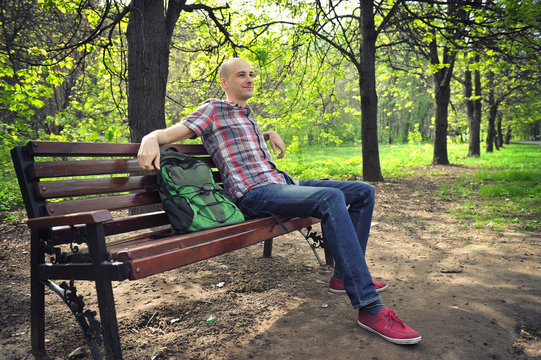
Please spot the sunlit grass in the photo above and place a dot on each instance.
(346, 161)
(504, 187)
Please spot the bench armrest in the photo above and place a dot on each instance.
(91, 217)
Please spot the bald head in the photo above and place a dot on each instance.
(237, 80)
(228, 65)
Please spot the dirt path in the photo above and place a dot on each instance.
(471, 292)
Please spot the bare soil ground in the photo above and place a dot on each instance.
(473, 293)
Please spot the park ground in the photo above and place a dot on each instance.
(473, 292)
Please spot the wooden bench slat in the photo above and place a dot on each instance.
(139, 245)
(52, 169)
(136, 222)
(81, 187)
(114, 202)
(168, 260)
(53, 148)
(144, 247)
(142, 243)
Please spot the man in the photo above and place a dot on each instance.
(238, 147)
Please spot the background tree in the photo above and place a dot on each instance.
(435, 30)
(472, 95)
(352, 31)
(404, 100)
(150, 28)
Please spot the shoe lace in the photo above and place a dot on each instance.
(393, 316)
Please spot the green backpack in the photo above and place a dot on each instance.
(190, 197)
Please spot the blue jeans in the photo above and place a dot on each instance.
(345, 209)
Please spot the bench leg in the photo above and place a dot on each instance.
(106, 303)
(37, 317)
(329, 260)
(37, 298)
(104, 291)
(267, 248)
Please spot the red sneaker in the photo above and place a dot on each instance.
(389, 326)
(337, 286)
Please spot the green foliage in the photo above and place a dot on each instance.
(22, 93)
(10, 195)
(415, 136)
(93, 113)
(297, 95)
(403, 101)
(312, 104)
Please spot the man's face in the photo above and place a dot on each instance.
(239, 81)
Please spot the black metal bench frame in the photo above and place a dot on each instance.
(71, 190)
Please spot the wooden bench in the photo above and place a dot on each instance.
(77, 196)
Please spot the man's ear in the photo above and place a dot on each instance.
(223, 83)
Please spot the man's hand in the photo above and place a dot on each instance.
(275, 142)
(149, 153)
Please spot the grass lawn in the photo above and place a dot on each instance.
(505, 187)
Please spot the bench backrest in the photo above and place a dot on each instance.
(58, 178)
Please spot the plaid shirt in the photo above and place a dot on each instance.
(236, 145)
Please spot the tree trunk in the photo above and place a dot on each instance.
(473, 110)
(149, 36)
(475, 129)
(369, 98)
(492, 112)
(148, 61)
(477, 109)
(442, 94)
(468, 92)
(508, 135)
(441, 102)
(499, 136)
(491, 133)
